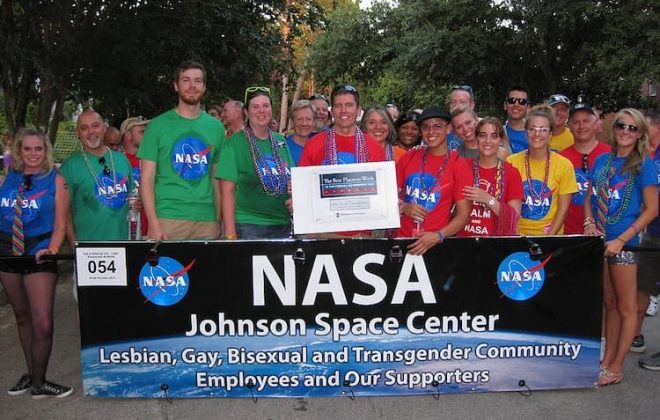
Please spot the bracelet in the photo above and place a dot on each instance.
(441, 236)
(635, 228)
(588, 221)
(617, 238)
(231, 237)
(53, 250)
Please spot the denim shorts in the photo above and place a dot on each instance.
(624, 258)
(251, 231)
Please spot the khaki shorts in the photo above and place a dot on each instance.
(188, 229)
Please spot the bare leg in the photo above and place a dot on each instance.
(643, 299)
(610, 319)
(625, 288)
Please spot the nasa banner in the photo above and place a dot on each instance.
(338, 317)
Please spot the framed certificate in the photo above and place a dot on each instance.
(337, 198)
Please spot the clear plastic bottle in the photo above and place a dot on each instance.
(134, 217)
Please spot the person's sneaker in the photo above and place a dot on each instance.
(653, 306)
(51, 390)
(651, 363)
(24, 384)
(638, 345)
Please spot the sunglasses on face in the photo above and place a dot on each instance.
(27, 182)
(106, 170)
(621, 127)
(466, 88)
(254, 91)
(585, 159)
(521, 101)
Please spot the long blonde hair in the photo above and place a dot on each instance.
(642, 149)
(17, 149)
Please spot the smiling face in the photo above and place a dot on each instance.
(561, 114)
(91, 130)
(434, 132)
(408, 134)
(33, 154)
(516, 111)
(583, 126)
(538, 132)
(460, 99)
(626, 133)
(489, 140)
(260, 111)
(345, 110)
(190, 86)
(303, 122)
(464, 124)
(376, 125)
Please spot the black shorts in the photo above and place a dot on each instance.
(26, 264)
(648, 271)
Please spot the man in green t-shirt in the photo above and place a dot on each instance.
(97, 179)
(179, 154)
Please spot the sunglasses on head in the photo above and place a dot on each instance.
(621, 126)
(344, 89)
(585, 159)
(555, 99)
(106, 170)
(253, 91)
(318, 96)
(27, 182)
(466, 88)
(521, 101)
(408, 117)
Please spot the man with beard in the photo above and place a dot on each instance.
(179, 153)
(97, 179)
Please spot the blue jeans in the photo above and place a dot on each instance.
(250, 231)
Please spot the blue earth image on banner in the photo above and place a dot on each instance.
(474, 363)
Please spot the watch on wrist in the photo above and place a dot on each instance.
(491, 202)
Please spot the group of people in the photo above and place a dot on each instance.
(543, 172)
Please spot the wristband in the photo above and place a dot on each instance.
(617, 238)
(588, 221)
(441, 236)
(231, 237)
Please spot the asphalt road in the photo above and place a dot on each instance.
(637, 397)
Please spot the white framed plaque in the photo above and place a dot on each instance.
(339, 198)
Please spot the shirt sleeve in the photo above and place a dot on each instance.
(513, 184)
(148, 149)
(463, 176)
(649, 175)
(566, 181)
(227, 168)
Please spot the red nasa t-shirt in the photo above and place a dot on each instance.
(482, 219)
(421, 186)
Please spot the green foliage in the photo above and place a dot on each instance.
(413, 53)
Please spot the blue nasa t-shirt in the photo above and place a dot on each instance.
(38, 206)
(616, 191)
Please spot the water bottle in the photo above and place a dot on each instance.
(134, 217)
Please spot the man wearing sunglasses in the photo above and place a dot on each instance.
(97, 179)
(179, 154)
(561, 136)
(582, 154)
(516, 105)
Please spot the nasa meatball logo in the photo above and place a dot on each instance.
(166, 283)
(343, 158)
(519, 277)
(582, 179)
(538, 200)
(190, 158)
(110, 194)
(423, 189)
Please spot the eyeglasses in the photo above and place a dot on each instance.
(254, 91)
(106, 170)
(521, 101)
(466, 88)
(318, 96)
(621, 126)
(585, 159)
(27, 182)
(539, 130)
(434, 127)
(344, 89)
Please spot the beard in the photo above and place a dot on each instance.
(191, 99)
(94, 142)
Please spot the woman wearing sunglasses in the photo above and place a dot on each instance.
(407, 130)
(33, 214)
(548, 178)
(377, 122)
(496, 193)
(623, 200)
(254, 175)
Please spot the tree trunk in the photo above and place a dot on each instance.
(284, 104)
(57, 117)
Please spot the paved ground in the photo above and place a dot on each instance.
(635, 398)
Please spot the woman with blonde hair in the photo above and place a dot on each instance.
(33, 223)
(622, 201)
